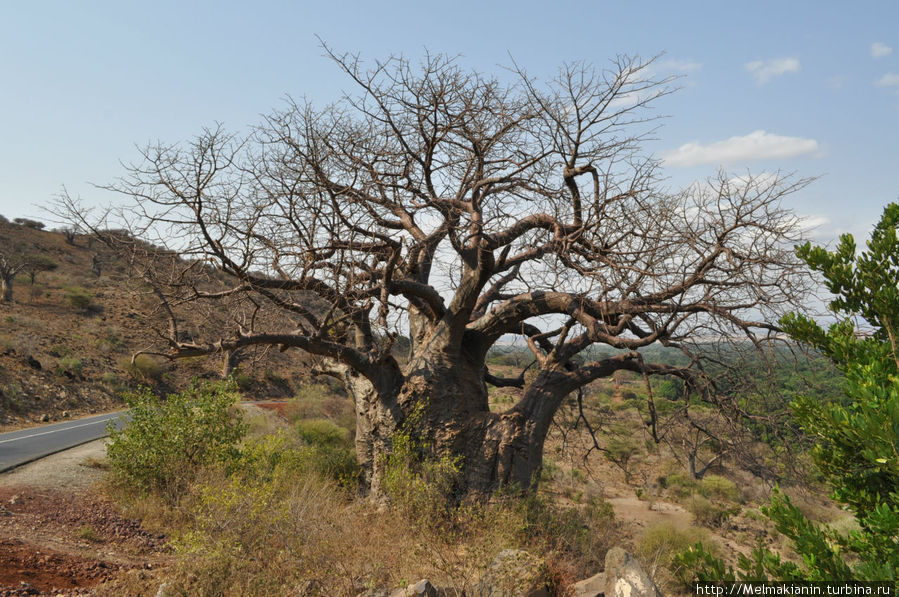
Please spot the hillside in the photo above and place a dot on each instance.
(67, 338)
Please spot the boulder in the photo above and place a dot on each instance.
(514, 573)
(422, 588)
(625, 577)
(590, 587)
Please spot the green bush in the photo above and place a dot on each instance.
(658, 546)
(329, 450)
(680, 485)
(708, 513)
(68, 365)
(168, 441)
(418, 483)
(79, 298)
(143, 367)
(322, 432)
(718, 488)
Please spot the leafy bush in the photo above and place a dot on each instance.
(657, 548)
(417, 483)
(718, 488)
(681, 485)
(329, 450)
(142, 368)
(68, 365)
(168, 441)
(79, 298)
(709, 513)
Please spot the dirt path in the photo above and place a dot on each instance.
(58, 536)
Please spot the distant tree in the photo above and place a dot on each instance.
(857, 438)
(34, 224)
(36, 263)
(10, 265)
(457, 210)
(17, 256)
(69, 232)
(13, 262)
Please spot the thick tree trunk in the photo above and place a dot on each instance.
(6, 289)
(441, 402)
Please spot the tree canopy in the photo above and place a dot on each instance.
(459, 209)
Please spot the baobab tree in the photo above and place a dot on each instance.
(458, 210)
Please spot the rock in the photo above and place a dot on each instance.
(514, 573)
(590, 587)
(45, 418)
(16, 499)
(66, 414)
(422, 588)
(309, 587)
(625, 577)
(32, 362)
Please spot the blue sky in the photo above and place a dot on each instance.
(805, 87)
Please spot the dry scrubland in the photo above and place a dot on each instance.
(283, 517)
(67, 340)
(278, 512)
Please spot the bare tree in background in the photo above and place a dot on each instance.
(457, 210)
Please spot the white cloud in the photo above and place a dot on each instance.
(764, 71)
(681, 66)
(879, 50)
(809, 223)
(888, 80)
(762, 179)
(757, 145)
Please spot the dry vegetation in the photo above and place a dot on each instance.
(286, 518)
(67, 339)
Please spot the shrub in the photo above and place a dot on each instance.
(658, 546)
(708, 513)
(167, 442)
(89, 534)
(322, 432)
(329, 450)
(417, 483)
(79, 298)
(680, 484)
(244, 382)
(621, 450)
(143, 367)
(319, 401)
(68, 366)
(718, 488)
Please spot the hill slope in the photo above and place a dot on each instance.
(67, 338)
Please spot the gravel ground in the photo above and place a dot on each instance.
(70, 469)
(58, 536)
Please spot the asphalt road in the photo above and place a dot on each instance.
(25, 445)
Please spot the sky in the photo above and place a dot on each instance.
(810, 87)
